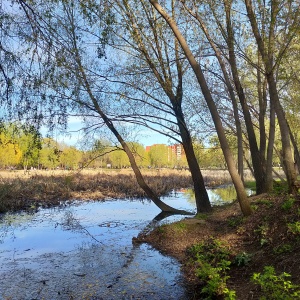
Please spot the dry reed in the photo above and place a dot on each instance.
(29, 190)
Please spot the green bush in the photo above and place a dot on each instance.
(242, 259)
(262, 232)
(294, 228)
(288, 203)
(284, 248)
(276, 287)
(213, 263)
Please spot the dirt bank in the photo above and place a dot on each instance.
(270, 237)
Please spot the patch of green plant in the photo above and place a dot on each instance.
(280, 187)
(265, 202)
(235, 221)
(179, 226)
(210, 250)
(201, 216)
(241, 230)
(254, 207)
(288, 204)
(212, 258)
(242, 259)
(294, 227)
(284, 248)
(250, 185)
(276, 287)
(161, 228)
(262, 231)
(215, 279)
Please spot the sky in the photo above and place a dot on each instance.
(74, 136)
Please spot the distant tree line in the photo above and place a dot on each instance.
(25, 148)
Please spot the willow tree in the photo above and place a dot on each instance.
(67, 76)
(155, 53)
(265, 36)
(236, 179)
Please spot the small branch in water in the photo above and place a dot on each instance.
(71, 222)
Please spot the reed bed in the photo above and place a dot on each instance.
(30, 190)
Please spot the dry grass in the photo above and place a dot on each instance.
(23, 190)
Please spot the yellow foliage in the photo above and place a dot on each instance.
(10, 153)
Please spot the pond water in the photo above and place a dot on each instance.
(84, 250)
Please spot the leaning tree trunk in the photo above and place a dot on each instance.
(230, 89)
(287, 153)
(236, 179)
(296, 151)
(139, 177)
(201, 196)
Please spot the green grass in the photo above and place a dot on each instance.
(250, 185)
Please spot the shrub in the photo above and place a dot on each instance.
(242, 259)
(294, 228)
(288, 204)
(276, 287)
(284, 248)
(212, 260)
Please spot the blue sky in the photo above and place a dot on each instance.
(74, 136)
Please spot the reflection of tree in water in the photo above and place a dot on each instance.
(190, 195)
(217, 196)
(9, 222)
(69, 222)
(226, 193)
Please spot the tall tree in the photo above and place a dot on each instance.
(160, 52)
(266, 47)
(241, 194)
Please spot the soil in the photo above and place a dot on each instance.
(265, 237)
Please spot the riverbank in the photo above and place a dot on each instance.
(270, 237)
(38, 188)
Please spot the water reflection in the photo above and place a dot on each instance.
(217, 196)
(85, 251)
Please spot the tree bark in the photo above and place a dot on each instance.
(296, 152)
(270, 150)
(230, 89)
(201, 196)
(257, 163)
(287, 153)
